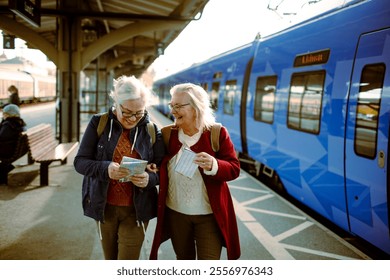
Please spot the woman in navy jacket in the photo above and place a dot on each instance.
(121, 209)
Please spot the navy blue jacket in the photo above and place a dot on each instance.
(95, 155)
(10, 129)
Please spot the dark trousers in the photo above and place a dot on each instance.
(194, 236)
(121, 235)
(5, 168)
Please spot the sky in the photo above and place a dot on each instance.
(227, 24)
(224, 25)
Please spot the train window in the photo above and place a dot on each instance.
(367, 110)
(228, 99)
(305, 101)
(265, 99)
(161, 91)
(214, 95)
(217, 75)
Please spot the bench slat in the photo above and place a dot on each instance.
(41, 140)
(60, 152)
(41, 149)
(44, 149)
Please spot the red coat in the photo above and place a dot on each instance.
(217, 189)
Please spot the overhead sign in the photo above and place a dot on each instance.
(8, 41)
(313, 58)
(29, 10)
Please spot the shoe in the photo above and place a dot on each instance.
(10, 168)
(3, 179)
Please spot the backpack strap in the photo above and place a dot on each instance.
(166, 133)
(215, 132)
(102, 123)
(152, 132)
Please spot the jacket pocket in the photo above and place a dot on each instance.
(146, 203)
(86, 199)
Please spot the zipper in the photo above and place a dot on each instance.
(100, 230)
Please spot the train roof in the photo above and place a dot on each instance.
(315, 18)
(259, 39)
(216, 57)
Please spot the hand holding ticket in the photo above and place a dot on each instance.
(186, 165)
(135, 166)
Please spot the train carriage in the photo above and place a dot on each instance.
(310, 107)
(31, 87)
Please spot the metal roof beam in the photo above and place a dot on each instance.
(111, 15)
(101, 15)
(120, 35)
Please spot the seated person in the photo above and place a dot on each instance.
(10, 128)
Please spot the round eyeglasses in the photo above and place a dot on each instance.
(177, 107)
(137, 115)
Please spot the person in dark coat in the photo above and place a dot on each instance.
(14, 95)
(122, 209)
(195, 209)
(10, 128)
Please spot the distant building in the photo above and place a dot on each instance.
(22, 64)
(3, 57)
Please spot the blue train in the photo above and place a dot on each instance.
(309, 106)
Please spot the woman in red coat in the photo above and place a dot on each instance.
(195, 208)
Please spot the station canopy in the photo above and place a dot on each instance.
(127, 35)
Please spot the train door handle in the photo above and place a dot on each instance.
(381, 159)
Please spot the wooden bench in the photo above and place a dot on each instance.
(45, 149)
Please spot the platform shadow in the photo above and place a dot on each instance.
(19, 182)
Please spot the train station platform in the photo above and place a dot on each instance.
(47, 223)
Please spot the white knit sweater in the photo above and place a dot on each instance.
(187, 195)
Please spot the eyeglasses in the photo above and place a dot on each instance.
(177, 107)
(138, 115)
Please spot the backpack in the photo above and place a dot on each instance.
(215, 131)
(103, 121)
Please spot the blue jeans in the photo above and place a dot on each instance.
(121, 235)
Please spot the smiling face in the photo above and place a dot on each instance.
(184, 113)
(132, 112)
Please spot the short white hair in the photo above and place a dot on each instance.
(200, 101)
(129, 88)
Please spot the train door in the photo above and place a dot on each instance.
(367, 147)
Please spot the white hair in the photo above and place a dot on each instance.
(200, 101)
(129, 88)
